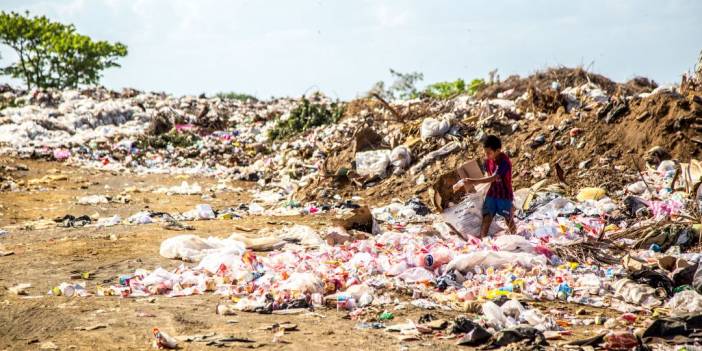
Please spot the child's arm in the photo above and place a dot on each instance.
(467, 181)
(488, 179)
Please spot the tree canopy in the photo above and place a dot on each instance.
(52, 54)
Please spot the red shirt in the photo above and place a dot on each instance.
(501, 188)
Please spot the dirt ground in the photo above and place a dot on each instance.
(47, 257)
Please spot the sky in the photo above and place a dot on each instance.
(292, 47)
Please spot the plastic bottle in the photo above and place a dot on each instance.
(434, 258)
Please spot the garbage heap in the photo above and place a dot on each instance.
(638, 256)
(608, 203)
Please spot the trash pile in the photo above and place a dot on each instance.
(587, 251)
(608, 203)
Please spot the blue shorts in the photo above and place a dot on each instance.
(493, 206)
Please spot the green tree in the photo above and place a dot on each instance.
(52, 55)
(403, 87)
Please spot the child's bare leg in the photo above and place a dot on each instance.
(485, 226)
(511, 226)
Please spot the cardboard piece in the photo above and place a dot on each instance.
(470, 169)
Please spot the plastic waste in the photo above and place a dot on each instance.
(467, 262)
(512, 308)
(590, 194)
(685, 302)
(466, 217)
(93, 200)
(436, 257)
(163, 340)
(109, 221)
(204, 211)
(620, 340)
(401, 158)
(372, 163)
(189, 247)
(143, 217)
(493, 315)
(416, 274)
(304, 283)
(514, 243)
(432, 127)
(638, 294)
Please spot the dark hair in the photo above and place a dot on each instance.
(492, 142)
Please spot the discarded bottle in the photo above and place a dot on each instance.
(163, 340)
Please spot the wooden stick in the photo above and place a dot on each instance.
(387, 106)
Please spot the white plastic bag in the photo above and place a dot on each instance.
(494, 316)
(416, 274)
(467, 216)
(189, 247)
(305, 283)
(400, 158)
(685, 302)
(372, 163)
(514, 243)
(635, 293)
(432, 127)
(466, 262)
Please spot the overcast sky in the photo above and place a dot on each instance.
(289, 47)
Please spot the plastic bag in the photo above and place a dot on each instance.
(494, 316)
(432, 127)
(191, 247)
(637, 294)
(466, 262)
(685, 302)
(514, 243)
(400, 157)
(512, 308)
(372, 163)
(416, 274)
(305, 283)
(467, 216)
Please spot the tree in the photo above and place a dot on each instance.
(403, 87)
(52, 54)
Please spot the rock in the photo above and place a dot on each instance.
(48, 346)
(538, 141)
(438, 324)
(20, 289)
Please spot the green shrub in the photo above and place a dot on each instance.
(177, 139)
(305, 116)
(446, 90)
(236, 96)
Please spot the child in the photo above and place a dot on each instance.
(500, 196)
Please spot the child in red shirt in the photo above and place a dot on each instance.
(500, 196)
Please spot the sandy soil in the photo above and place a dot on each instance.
(47, 257)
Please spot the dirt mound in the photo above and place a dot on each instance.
(542, 81)
(595, 145)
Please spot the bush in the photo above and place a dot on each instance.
(174, 138)
(446, 90)
(236, 96)
(52, 54)
(305, 116)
